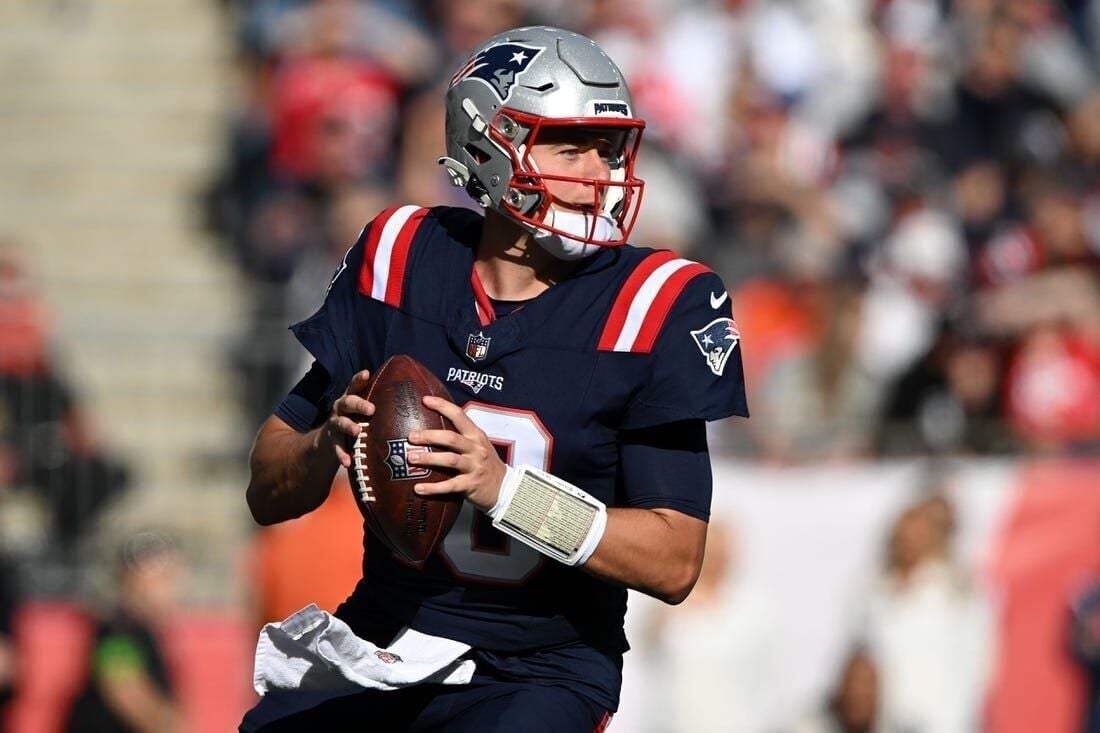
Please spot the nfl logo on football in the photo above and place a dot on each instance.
(477, 346)
(398, 460)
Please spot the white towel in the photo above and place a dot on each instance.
(313, 650)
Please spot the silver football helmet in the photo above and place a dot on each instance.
(519, 84)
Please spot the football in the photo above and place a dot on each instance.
(381, 476)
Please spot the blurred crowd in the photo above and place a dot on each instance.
(920, 643)
(903, 195)
(48, 449)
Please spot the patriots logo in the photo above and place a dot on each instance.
(499, 67)
(716, 340)
(398, 460)
(474, 385)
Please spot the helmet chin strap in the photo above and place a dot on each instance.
(567, 246)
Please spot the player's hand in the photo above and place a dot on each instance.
(340, 430)
(464, 451)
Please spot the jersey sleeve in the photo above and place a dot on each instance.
(348, 333)
(694, 369)
(666, 467)
(329, 335)
(308, 403)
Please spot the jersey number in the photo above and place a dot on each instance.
(473, 549)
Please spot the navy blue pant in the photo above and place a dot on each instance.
(483, 706)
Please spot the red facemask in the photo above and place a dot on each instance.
(618, 197)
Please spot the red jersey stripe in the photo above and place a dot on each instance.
(619, 310)
(662, 304)
(366, 273)
(400, 256)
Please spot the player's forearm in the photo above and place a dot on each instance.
(291, 472)
(658, 552)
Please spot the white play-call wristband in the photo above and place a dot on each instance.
(549, 514)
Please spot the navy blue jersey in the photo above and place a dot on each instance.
(634, 339)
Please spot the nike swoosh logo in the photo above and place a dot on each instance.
(716, 301)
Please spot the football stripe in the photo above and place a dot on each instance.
(400, 256)
(662, 304)
(621, 308)
(375, 274)
(643, 302)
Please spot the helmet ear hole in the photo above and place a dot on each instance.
(479, 156)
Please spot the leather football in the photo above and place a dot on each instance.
(382, 478)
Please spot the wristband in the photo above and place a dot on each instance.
(553, 516)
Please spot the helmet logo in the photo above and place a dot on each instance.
(608, 108)
(499, 67)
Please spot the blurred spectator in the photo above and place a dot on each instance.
(462, 25)
(912, 279)
(719, 645)
(981, 198)
(928, 627)
(1085, 645)
(1052, 390)
(129, 687)
(24, 323)
(1051, 56)
(46, 444)
(1041, 294)
(949, 401)
(854, 706)
(996, 113)
(815, 404)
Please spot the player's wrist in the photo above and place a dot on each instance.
(551, 515)
(504, 495)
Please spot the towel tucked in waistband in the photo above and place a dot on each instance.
(314, 650)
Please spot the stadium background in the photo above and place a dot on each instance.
(903, 196)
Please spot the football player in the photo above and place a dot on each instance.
(582, 371)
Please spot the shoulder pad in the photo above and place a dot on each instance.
(644, 301)
(386, 252)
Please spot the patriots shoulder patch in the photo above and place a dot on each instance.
(717, 340)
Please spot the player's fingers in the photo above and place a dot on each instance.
(441, 439)
(358, 383)
(454, 413)
(344, 425)
(438, 459)
(343, 456)
(450, 486)
(354, 405)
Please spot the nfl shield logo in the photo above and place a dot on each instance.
(398, 460)
(477, 346)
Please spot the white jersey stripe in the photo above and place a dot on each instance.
(385, 249)
(643, 300)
